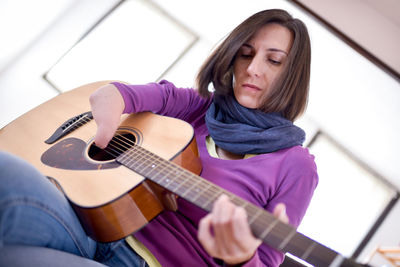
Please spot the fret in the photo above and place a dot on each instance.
(185, 180)
(122, 158)
(158, 177)
(157, 169)
(308, 251)
(132, 152)
(299, 244)
(169, 182)
(252, 210)
(199, 194)
(191, 187)
(138, 166)
(254, 217)
(177, 181)
(141, 162)
(235, 200)
(210, 200)
(337, 261)
(153, 165)
(243, 204)
(269, 228)
(164, 178)
(169, 179)
(283, 244)
(175, 177)
(164, 170)
(323, 256)
(136, 155)
(130, 158)
(152, 168)
(149, 160)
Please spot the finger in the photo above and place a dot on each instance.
(222, 225)
(280, 212)
(103, 135)
(107, 106)
(221, 209)
(240, 229)
(205, 237)
(243, 242)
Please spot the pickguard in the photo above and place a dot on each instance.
(68, 154)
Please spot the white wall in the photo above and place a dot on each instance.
(33, 39)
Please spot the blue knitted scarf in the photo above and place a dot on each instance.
(241, 130)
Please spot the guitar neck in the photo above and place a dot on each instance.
(203, 193)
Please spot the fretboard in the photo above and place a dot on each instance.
(203, 193)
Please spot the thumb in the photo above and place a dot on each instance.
(280, 212)
(103, 135)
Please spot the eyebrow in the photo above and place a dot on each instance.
(277, 50)
(269, 49)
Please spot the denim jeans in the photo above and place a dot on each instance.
(34, 212)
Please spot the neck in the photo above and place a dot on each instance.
(224, 154)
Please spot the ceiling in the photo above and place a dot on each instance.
(372, 27)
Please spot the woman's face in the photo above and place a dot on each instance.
(259, 62)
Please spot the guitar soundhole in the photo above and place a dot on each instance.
(121, 142)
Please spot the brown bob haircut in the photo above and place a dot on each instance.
(289, 93)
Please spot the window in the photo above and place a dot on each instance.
(136, 43)
(348, 200)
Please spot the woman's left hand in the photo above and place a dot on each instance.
(225, 233)
(231, 240)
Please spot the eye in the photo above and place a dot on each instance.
(246, 51)
(246, 55)
(274, 62)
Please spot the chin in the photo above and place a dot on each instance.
(247, 103)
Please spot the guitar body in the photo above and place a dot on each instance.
(110, 200)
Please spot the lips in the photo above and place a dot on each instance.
(251, 86)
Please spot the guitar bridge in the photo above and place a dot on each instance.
(69, 126)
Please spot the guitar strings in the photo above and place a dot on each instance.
(140, 153)
(115, 149)
(137, 153)
(109, 149)
(258, 216)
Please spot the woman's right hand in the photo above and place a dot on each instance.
(107, 106)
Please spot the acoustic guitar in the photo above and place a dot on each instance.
(117, 190)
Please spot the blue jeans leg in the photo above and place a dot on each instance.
(34, 212)
(118, 254)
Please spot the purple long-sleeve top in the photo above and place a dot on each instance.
(286, 176)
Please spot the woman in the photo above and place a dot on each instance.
(247, 143)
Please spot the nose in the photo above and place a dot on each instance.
(255, 66)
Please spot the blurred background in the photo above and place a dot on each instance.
(51, 46)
